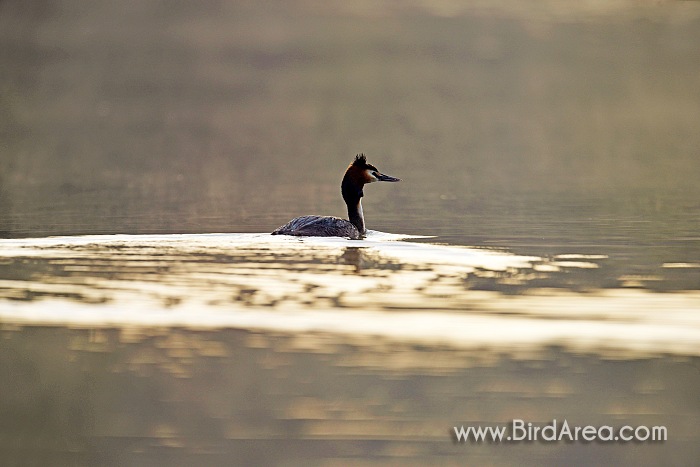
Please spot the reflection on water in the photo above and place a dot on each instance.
(252, 349)
(411, 292)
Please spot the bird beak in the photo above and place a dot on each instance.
(386, 178)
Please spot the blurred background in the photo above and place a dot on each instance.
(537, 127)
(554, 120)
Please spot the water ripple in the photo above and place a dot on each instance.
(387, 286)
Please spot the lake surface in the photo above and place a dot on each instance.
(257, 349)
(540, 259)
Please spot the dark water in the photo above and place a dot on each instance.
(234, 397)
(558, 142)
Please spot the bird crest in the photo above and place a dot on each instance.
(360, 160)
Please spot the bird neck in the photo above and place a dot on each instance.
(356, 217)
(352, 194)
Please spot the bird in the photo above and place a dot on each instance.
(358, 173)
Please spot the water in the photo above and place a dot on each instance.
(540, 259)
(383, 286)
(227, 348)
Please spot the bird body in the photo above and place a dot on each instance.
(356, 176)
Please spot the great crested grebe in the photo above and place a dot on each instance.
(357, 174)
